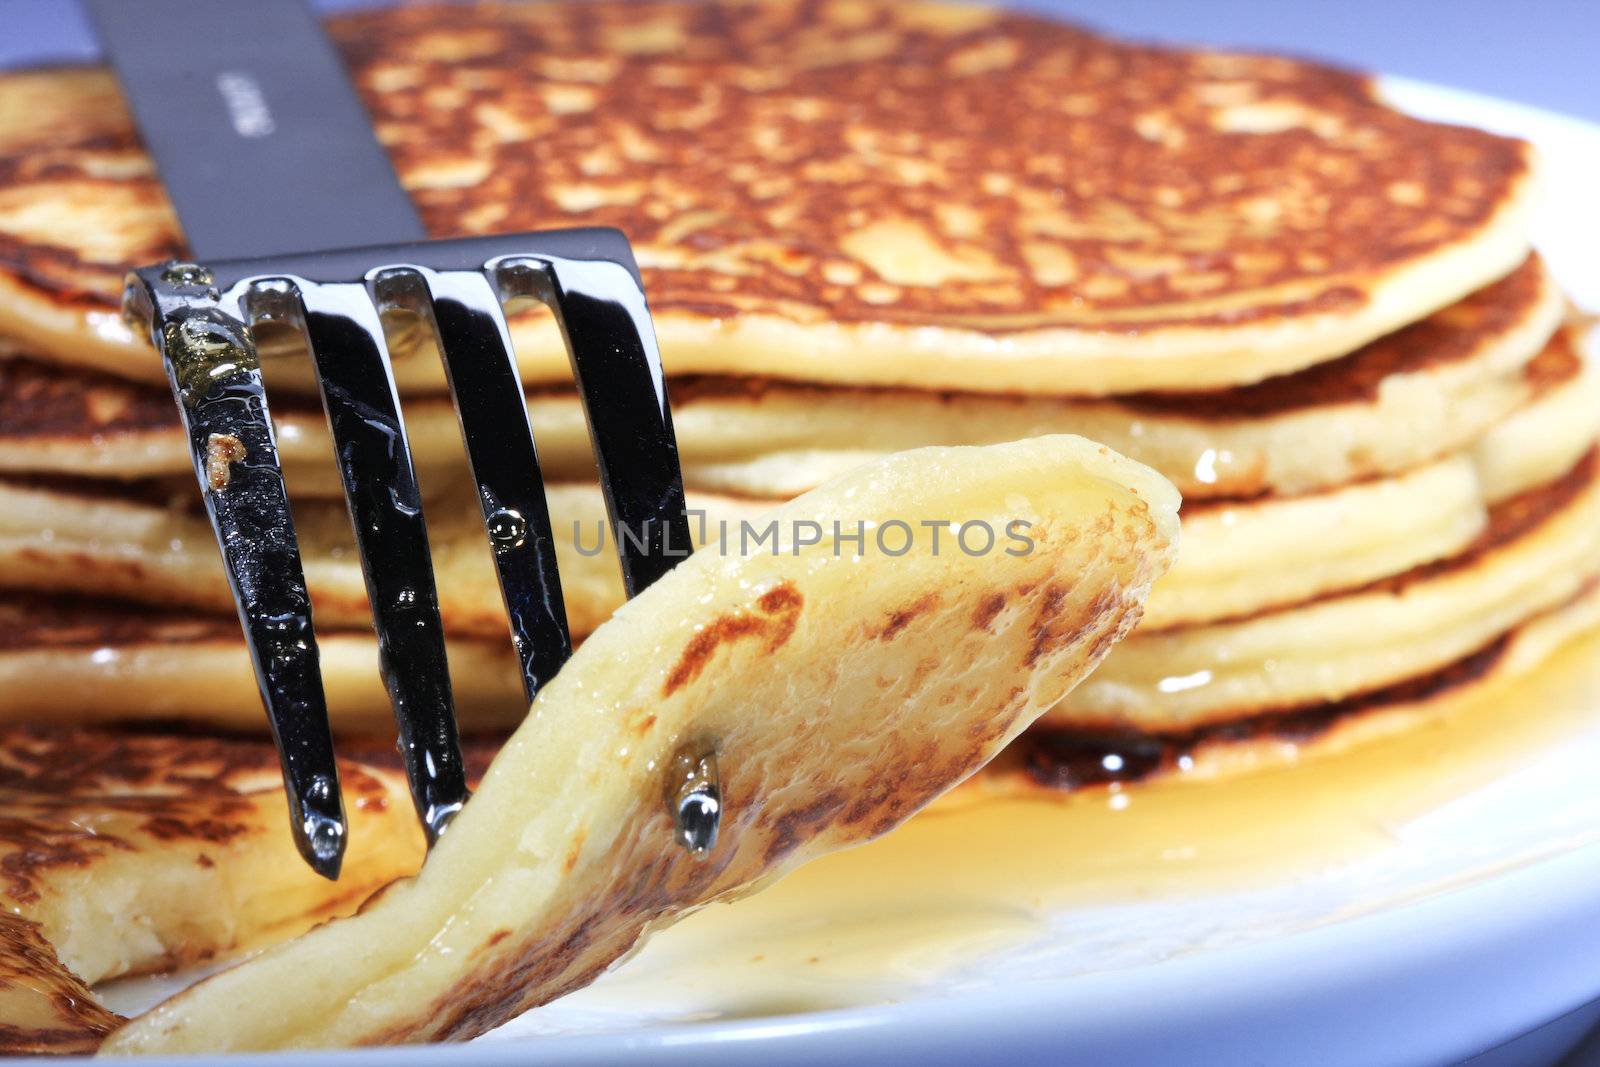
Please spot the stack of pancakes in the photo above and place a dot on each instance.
(866, 226)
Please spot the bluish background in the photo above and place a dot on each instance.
(1544, 52)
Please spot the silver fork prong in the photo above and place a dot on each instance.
(600, 306)
(589, 278)
(611, 342)
(471, 330)
(215, 375)
(342, 327)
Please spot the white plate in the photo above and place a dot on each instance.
(1418, 923)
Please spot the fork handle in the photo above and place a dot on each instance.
(261, 141)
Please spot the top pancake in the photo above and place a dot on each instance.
(1398, 402)
(859, 191)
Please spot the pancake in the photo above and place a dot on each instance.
(1536, 440)
(1252, 556)
(1399, 401)
(45, 1009)
(839, 691)
(1242, 558)
(66, 660)
(136, 853)
(865, 191)
(1405, 399)
(152, 545)
(1066, 758)
(1539, 550)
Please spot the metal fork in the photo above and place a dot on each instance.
(245, 108)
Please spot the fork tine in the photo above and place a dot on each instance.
(470, 326)
(598, 299)
(601, 307)
(341, 325)
(590, 280)
(214, 372)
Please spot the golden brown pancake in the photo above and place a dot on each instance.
(141, 852)
(1069, 758)
(86, 658)
(1565, 381)
(67, 653)
(1538, 551)
(150, 543)
(45, 1009)
(1399, 401)
(1245, 557)
(859, 191)
(67, 660)
(1402, 400)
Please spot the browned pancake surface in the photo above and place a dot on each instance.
(63, 788)
(38, 400)
(41, 401)
(45, 1009)
(35, 621)
(1509, 520)
(1452, 334)
(1557, 362)
(1070, 758)
(841, 161)
(1062, 758)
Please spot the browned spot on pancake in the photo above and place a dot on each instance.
(781, 599)
(216, 831)
(1447, 336)
(1556, 364)
(42, 402)
(38, 401)
(177, 494)
(36, 621)
(574, 851)
(794, 826)
(171, 788)
(780, 612)
(760, 156)
(497, 937)
(901, 618)
(72, 796)
(1047, 625)
(1063, 758)
(700, 647)
(1112, 615)
(989, 607)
